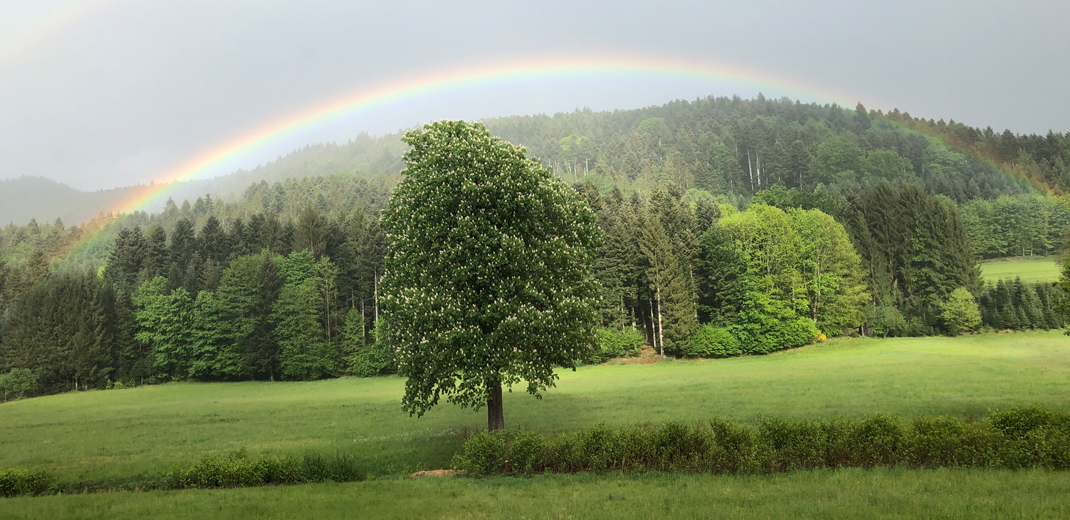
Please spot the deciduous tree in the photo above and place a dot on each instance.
(488, 272)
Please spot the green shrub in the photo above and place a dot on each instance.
(736, 449)
(1032, 436)
(1023, 437)
(794, 444)
(17, 482)
(527, 453)
(18, 383)
(238, 469)
(714, 342)
(484, 453)
(949, 442)
(613, 343)
(877, 441)
(375, 359)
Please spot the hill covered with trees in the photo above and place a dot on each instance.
(730, 227)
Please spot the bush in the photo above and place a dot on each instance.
(1024, 437)
(238, 469)
(17, 482)
(713, 342)
(484, 454)
(613, 343)
(18, 383)
(794, 444)
(883, 321)
(375, 359)
(877, 441)
(949, 442)
(960, 313)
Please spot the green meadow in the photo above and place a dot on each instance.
(124, 435)
(847, 494)
(1031, 270)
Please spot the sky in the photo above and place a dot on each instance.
(106, 93)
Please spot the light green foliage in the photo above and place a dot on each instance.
(238, 298)
(960, 313)
(767, 236)
(165, 325)
(769, 272)
(18, 383)
(616, 343)
(212, 357)
(831, 271)
(488, 269)
(713, 342)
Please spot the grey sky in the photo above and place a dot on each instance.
(125, 90)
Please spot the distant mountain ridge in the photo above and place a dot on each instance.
(727, 146)
(45, 200)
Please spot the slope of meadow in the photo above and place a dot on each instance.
(121, 434)
(1030, 270)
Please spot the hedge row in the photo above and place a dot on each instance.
(24, 482)
(1022, 437)
(238, 469)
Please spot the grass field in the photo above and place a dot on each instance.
(1032, 270)
(853, 493)
(120, 434)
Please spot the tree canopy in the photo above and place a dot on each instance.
(488, 271)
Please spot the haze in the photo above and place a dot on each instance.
(102, 94)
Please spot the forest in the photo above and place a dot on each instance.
(730, 227)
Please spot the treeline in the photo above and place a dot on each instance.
(202, 292)
(256, 298)
(1014, 305)
(735, 147)
(1022, 225)
(1039, 159)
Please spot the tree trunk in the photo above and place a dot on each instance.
(495, 413)
(661, 330)
(750, 170)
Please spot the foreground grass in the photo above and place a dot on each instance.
(117, 435)
(1032, 270)
(820, 494)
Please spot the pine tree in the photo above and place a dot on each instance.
(311, 232)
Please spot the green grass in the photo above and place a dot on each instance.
(121, 434)
(821, 494)
(1032, 270)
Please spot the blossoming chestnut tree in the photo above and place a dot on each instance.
(488, 271)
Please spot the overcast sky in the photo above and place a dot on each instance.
(106, 93)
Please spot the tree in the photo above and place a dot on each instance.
(18, 383)
(960, 312)
(831, 270)
(488, 271)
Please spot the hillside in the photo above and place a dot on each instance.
(44, 200)
(726, 146)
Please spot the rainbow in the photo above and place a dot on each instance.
(480, 75)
